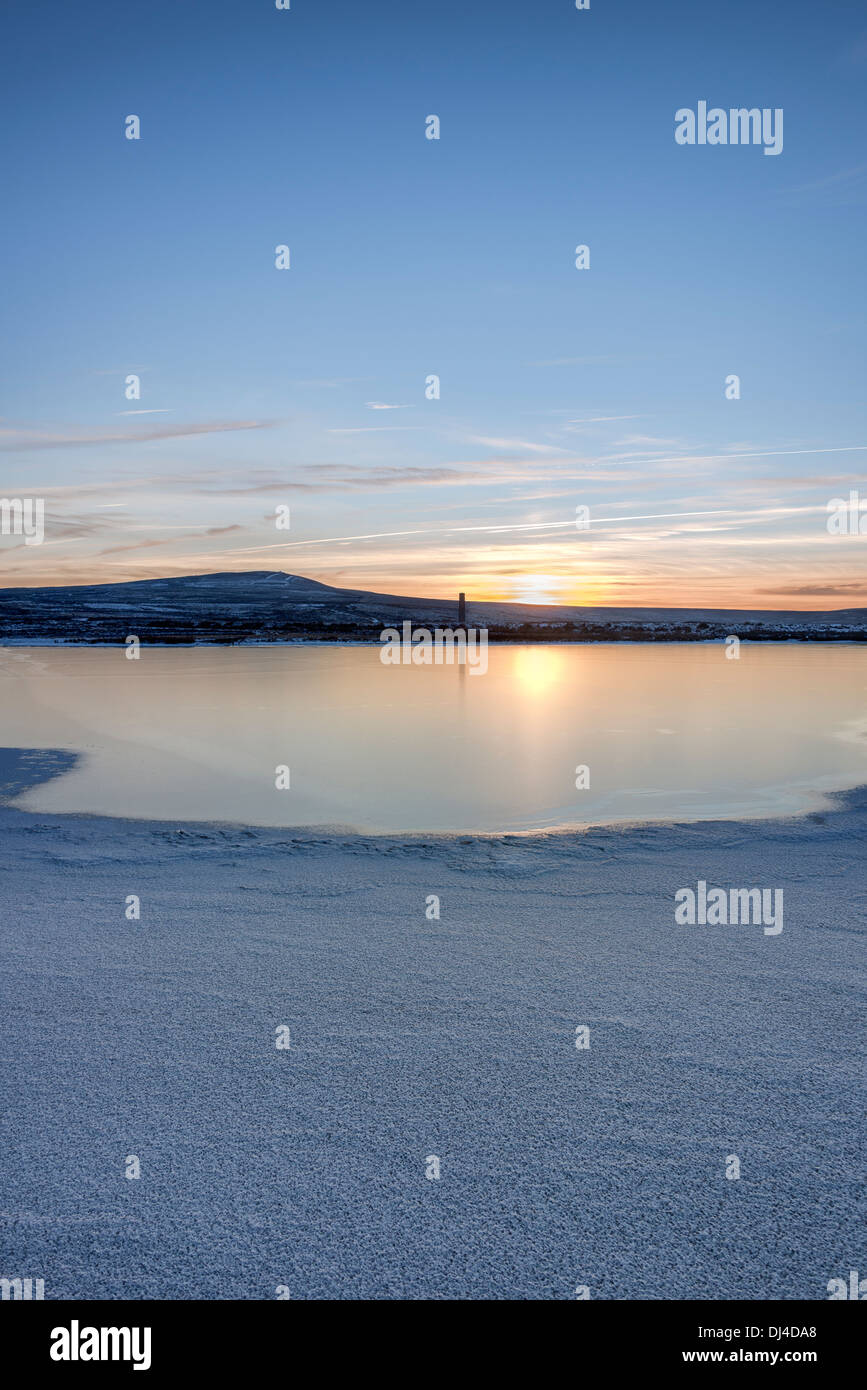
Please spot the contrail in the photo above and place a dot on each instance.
(765, 454)
(520, 526)
(597, 521)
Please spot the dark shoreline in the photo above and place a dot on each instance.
(565, 634)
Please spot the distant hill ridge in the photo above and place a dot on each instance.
(270, 605)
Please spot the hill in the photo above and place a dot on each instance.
(271, 606)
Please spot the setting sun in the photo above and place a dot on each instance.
(541, 588)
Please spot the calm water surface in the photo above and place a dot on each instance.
(667, 731)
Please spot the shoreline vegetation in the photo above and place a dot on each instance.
(511, 637)
(270, 607)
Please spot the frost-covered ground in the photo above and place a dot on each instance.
(412, 1038)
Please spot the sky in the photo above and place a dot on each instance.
(306, 388)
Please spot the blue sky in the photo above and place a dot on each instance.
(455, 257)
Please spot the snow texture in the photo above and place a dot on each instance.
(409, 1037)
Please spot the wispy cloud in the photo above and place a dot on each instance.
(820, 590)
(327, 383)
(646, 441)
(375, 429)
(856, 171)
(844, 187)
(516, 446)
(152, 542)
(513, 527)
(601, 419)
(15, 440)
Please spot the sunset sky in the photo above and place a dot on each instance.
(410, 257)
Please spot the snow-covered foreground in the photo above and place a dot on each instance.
(414, 1038)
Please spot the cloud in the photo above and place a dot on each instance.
(602, 419)
(327, 382)
(381, 405)
(137, 545)
(647, 441)
(169, 540)
(337, 478)
(855, 171)
(799, 482)
(487, 528)
(820, 590)
(11, 441)
(320, 477)
(840, 189)
(76, 528)
(516, 445)
(727, 458)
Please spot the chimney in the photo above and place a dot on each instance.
(462, 610)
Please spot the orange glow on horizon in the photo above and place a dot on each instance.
(543, 589)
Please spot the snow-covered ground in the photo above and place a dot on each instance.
(414, 1038)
